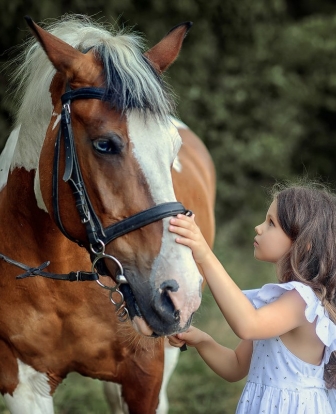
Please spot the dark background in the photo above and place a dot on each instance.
(255, 80)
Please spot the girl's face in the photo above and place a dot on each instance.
(271, 242)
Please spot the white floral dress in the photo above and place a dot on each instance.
(280, 382)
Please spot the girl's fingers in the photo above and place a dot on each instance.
(183, 221)
(182, 231)
(184, 241)
(174, 341)
(180, 223)
(188, 229)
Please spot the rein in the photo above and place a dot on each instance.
(97, 236)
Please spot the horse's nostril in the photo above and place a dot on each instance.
(169, 286)
(177, 315)
(167, 303)
(170, 300)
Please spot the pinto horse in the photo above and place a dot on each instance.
(91, 279)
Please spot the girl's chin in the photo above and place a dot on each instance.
(257, 255)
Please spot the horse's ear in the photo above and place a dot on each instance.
(61, 55)
(164, 53)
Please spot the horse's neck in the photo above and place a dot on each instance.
(29, 228)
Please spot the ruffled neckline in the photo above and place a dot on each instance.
(325, 328)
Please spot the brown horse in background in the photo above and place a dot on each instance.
(91, 174)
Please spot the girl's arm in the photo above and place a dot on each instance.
(232, 365)
(271, 320)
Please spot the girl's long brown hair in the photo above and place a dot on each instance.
(307, 214)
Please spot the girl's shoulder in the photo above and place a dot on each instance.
(272, 291)
(315, 311)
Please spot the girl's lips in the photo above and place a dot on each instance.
(255, 243)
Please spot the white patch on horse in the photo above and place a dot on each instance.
(178, 123)
(6, 163)
(177, 165)
(7, 156)
(32, 395)
(57, 120)
(155, 147)
(37, 191)
(171, 356)
(28, 150)
(181, 125)
(32, 132)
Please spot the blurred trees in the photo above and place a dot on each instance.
(255, 80)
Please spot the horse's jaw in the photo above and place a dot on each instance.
(142, 327)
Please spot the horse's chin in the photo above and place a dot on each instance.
(138, 322)
(141, 326)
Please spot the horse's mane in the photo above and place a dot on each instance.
(129, 75)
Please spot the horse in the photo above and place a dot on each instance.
(92, 281)
(194, 164)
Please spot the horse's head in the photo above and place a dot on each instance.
(124, 144)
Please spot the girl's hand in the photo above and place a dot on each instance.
(192, 337)
(191, 236)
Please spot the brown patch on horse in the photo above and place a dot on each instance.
(8, 369)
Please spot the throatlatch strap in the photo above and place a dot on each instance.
(38, 271)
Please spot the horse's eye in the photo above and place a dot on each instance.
(107, 146)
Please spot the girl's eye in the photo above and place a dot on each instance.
(271, 223)
(107, 146)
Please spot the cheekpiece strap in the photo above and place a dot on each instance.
(95, 232)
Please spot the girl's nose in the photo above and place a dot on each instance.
(258, 229)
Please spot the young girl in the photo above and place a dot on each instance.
(286, 329)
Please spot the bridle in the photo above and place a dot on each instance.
(98, 237)
(96, 234)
